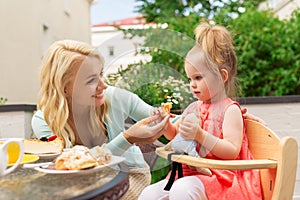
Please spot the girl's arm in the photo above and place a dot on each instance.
(226, 148)
(172, 129)
(229, 147)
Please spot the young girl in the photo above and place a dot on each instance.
(211, 67)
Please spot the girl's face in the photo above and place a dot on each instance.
(87, 85)
(204, 85)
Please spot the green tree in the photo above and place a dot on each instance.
(267, 47)
(268, 53)
(181, 17)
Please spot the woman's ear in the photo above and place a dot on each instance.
(224, 74)
(66, 92)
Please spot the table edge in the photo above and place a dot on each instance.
(122, 176)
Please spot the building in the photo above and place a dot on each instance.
(282, 8)
(117, 50)
(27, 29)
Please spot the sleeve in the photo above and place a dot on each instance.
(138, 108)
(39, 126)
(127, 104)
(118, 145)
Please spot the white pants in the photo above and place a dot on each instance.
(186, 188)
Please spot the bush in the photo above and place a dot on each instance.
(155, 84)
(3, 100)
(268, 53)
(267, 49)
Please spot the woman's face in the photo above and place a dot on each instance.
(87, 85)
(204, 85)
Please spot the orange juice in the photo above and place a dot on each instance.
(13, 151)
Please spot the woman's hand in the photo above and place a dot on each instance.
(144, 131)
(158, 111)
(252, 117)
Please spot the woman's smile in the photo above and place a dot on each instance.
(98, 96)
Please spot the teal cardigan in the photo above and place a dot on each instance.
(122, 104)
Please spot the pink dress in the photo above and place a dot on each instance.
(225, 184)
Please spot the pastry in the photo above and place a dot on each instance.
(166, 108)
(101, 154)
(80, 157)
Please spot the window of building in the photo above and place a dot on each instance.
(111, 51)
(67, 8)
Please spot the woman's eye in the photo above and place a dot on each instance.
(91, 81)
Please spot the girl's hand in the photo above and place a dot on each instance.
(190, 130)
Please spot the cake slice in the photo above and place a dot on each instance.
(35, 146)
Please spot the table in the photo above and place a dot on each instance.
(109, 183)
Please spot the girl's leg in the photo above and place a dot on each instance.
(187, 188)
(155, 191)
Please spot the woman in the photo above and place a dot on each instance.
(75, 104)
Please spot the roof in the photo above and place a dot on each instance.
(131, 21)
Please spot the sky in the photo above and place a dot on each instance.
(109, 10)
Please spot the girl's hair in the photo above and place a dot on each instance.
(216, 44)
(58, 66)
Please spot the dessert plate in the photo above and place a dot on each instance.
(47, 155)
(27, 158)
(48, 169)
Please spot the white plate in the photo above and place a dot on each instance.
(47, 155)
(114, 160)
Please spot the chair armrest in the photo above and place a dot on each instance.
(217, 164)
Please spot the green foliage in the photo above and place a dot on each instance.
(172, 12)
(3, 100)
(166, 47)
(267, 48)
(155, 84)
(268, 53)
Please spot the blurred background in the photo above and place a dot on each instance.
(144, 43)
(266, 37)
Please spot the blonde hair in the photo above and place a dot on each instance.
(216, 44)
(58, 66)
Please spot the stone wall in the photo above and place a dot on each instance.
(15, 121)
